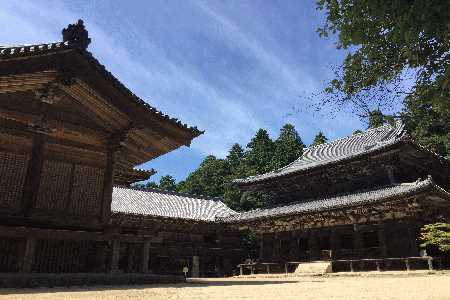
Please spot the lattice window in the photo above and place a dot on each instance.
(87, 191)
(55, 185)
(9, 254)
(13, 169)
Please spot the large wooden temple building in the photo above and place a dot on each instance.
(71, 135)
(362, 196)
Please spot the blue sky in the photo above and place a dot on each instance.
(228, 67)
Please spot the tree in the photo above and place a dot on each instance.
(376, 118)
(149, 185)
(437, 235)
(287, 147)
(235, 156)
(391, 44)
(319, 139)
(208, 179)
(259, 155)
(167, 183)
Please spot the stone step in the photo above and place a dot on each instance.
(316, 267)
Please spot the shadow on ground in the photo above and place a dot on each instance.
(190, 283)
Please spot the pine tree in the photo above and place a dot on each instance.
(288, 147)
(259, 154)
(319, 139)
(235, 156)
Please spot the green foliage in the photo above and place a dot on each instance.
(235, 156)
(208, 179)
(437, 235)
(376, 119)
(149, 185)
(167, 183)
(387, 41)
(259, 154)
(319, 139)
(287, 147)
(214, 177)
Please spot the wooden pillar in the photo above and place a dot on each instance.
(382, 240)
(145, 256)
(130, 256)
(195, 267)
(334, 244)
(28, 255)
(276, 246)
(33, 175)
(261, 248)
(114, 268)
(357, 242)
(108, 181)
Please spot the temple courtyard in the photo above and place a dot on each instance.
(371, 285)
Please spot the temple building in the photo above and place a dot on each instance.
(362, 196)
(71, 136)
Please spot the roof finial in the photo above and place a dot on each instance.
(77, 35)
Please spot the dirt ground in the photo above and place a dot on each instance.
(416, 286)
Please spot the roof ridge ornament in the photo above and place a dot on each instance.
(77, 35)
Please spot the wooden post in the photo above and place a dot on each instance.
(114, 268)
(145, 257)
(382, 240)
(357, 242)
(334, 243)
(28, 255)
(195, 267)
(268, 269)
(351, 267)
(241, 270)
(108, 181)
(286, 268)
(33, 175)
(261, 248)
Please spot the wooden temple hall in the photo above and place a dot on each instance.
(71, 136)
(358, 201)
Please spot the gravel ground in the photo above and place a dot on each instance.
(418, 286)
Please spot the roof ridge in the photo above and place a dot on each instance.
(379, 128)
(417, 186)
(425, 182)
(161, 191)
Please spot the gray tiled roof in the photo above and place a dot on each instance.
(341, 149)
(342, 201)
(167, 204)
